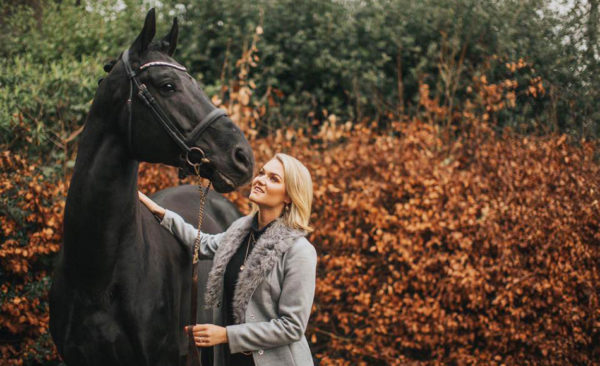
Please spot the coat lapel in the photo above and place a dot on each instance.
(263, 257)
(227, 247)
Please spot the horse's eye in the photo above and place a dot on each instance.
(168, 87)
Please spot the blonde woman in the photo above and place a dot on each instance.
(262, 282)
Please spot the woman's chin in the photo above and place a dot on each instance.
(252, 198)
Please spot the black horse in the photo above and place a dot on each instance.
(121, 289)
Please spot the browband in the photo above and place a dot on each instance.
(161, 63)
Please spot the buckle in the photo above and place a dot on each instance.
(202, 158)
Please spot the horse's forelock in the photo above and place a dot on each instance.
(158, 45)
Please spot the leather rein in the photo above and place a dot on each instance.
(184, 143)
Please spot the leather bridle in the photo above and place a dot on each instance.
(144, 94)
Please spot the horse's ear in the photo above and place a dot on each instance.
(169, 43)
(145, 37)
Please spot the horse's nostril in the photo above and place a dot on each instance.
(241, 157)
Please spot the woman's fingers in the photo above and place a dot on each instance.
(206, 335)
(203, 344)
(199, 327)
(199, 330)
(194, 328)
(143, 197)
(203, 341)
(152, 206)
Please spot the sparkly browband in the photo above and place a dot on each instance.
(160, 63)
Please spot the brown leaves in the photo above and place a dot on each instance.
(484, 246)
(473, 250)
(31, 229)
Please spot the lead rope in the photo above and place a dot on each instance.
(200, 216)
(194, 355)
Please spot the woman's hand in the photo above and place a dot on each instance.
(206, 335)
(152, 206)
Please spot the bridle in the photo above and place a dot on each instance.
(144, 94)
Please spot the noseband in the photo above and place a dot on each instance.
(163, 119)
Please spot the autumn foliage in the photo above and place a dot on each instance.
(31, 232)
(479, 251)
(438, 244)
(449, 245)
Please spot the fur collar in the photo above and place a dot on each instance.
(268, 249)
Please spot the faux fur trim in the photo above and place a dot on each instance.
(268, 249)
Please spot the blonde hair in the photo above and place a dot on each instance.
(299, 187)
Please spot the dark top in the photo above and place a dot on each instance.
(231, 275)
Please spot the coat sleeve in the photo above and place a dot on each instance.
(295, 303)
(187, 233)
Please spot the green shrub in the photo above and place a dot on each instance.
(315, 58)
(41, 103)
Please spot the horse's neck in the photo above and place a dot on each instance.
(102, 206)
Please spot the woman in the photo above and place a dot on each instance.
(262, 282)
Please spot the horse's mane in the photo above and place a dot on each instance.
(107, 67)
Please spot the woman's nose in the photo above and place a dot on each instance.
(261, 180)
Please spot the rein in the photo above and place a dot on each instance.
(184, 143)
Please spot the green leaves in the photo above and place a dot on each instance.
(363, 59)
(41, 100)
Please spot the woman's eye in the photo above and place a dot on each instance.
(168, 87)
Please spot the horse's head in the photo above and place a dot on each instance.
(166, 117)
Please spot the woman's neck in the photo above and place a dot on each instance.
(266, 215)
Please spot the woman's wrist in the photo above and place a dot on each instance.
(159, 211)
(225, 339)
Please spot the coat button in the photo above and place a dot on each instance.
(260, 351)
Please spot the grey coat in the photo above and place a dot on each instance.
(273, 296)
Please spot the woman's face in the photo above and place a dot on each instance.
(268, 187)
